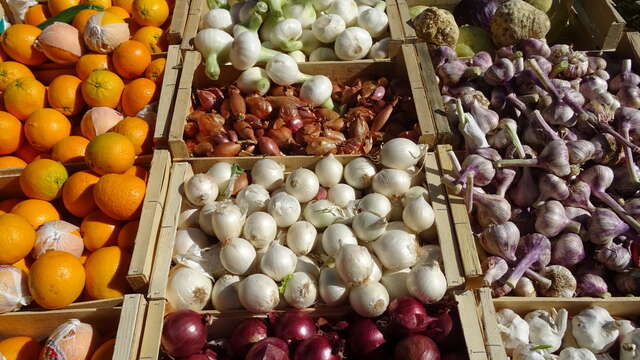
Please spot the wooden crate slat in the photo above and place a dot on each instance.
(492, 337)
(192, 23)
(130, 327)
(178, 21)
(150, 345)
(430, 81)
(167, 95)
(471, 325)
(603, 22)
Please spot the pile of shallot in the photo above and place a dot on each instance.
(548, 170)
(407, 331)
(272, 240)
(318, 117)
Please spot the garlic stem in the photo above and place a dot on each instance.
(455, 163)
(468, 195)
(512, 131)
(544, 125)
(543, 281)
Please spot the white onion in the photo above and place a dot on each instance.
(391, 182)
(188, 288)
(201, 189)
(333, 290)
(429, 255)
(359, 172)
(237, 256)
(397, 249)
(322, 213)
(278, 262)
(427, 283)
(369, 226)
(267, 173)
(224, 295)
(369, 300)
(354, 264)
(398, 225)
(376, 272)
(302, 184)
(221, 173)
(306, 265)
(341, 194)
(258, 293)
(414, 192)
(189, 240)
(301, 237)
(400, 153)
(204, 218)
(188, 218)
(252, 198)
(226, 221)
(284, 208)
(207, 260)
(375, 203)
(418, 215)
(329, 171)
(395, 282)
(335, 237)
(260, 229)
(300, 291)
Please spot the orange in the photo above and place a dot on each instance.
(11, 162)
(56, 279)
(56, 6)
(102, 88)
(43, 179)
(125, 4)
(104, 351)
(137, 130)
(17, 237)
(120, 196)
(69, 149)
(152, 37)
(11, 135)
(84, 256)
(99, 230)
(65, 96)
(131, 58)
(20, 348)
(37, 212)
(116, 10)
(150, 12)
(90, 62)
(18, 41)
(7, 205)
(155, 70)
(81, 19)
(104, 3)
(36, 15)
(10, 71)
(138, 171)
(27, 153)
(137, 94)
(110, 153)
(127, 235)
(77, 193)
(24, 96)
(25, 263)
(45, 127)
(106, 270)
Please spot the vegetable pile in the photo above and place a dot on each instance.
(588, 335)
(317, 118)
(307, 237)
(549, 137)
(407, 331)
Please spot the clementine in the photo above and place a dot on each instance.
(27, 153)
(37, 212)
(105, 4)
(24, 96)
(99, 120)
(127, 235)
(20, 348)
(12, 70)
(104, 351)
(155, 70)
(91, 62)
(24, 264)
(56, 6)
(69, 149)
(43, 179)
(120, 196)
(116, 10)
(106, 270)
(18, 42)
(137, 130)
(110, 153)
(56, 279)
(150, 12)
(152, 37)
(81, 19)
(65, 96)
(11, 162)
(102, 88)
(36, 15)
(45, 127)
(138, 171)
(17, 237)
(11, 135)
(130, 59)
(136, 95)
(125, 4)
(98, 230)
(77, 193)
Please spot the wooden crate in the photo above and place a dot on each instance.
(167, 98)
(224, 323)
(182, 171)
(124, 321)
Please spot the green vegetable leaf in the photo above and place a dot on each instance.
(69, 14)
(541, 347)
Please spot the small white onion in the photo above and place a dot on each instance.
(188, 288)
(221, 173)
(418, 215)
(376, 273)
(207, 260)
(237, 256)
(226, 221)
(201, 189)
(359, 172)
(369, 300)
(278, 262)
(284, 208)
(267, 173)
(322, 213)
(224, 295)
(354, 264)
(188, 218)
(396, 283)
(258, 293)
(391, 182)
(253, 198)
(329, 171)
(301, 237)
(204, 218)
(429, 255)
(369, 226)
(302, 184)
(189, 240)
(260, 229)
(306, 265)
(414, 192)
(400, 153)
(397, 249)
(335, 237)
(398, 225)
(341, 194)
(300, 291)
(375, 203)
(333, 290)
(427, 283)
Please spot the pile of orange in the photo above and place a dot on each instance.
(28, 348)
(41, 110)
(97, 209)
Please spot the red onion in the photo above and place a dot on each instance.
(316, 347)
(292, 326)
(407, 315)
(440, 327)
(246, 334)
(365, 337)
(270, 348)
(268, 146)
(184, 333)
(416, 347)
(207, 354)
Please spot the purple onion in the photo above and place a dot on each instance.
(270, 348)
(365, 337)
(475, 12)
